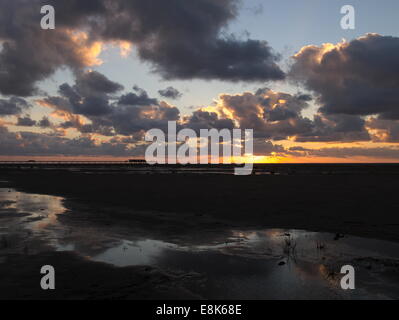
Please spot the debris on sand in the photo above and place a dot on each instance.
(339, 236)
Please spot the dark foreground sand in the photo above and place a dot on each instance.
(187, 208)
(77, 278)
(364, 205)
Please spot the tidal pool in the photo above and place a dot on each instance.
(245, 264)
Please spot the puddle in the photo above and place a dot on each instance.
(128, 253)
(39, 211)
(285, 245)
(246, 264)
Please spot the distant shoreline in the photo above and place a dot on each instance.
(259, 169)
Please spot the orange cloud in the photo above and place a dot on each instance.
(88, 51)
(125, 48)
(321, 50)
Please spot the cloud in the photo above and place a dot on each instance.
(130, 119)
(90, 105)
(29, 54)
(89, 96)
(272, 115)
(107, 114)
(45, 144)
(266, 148)
(44, 123)
(13, 106)
(170, 93)
(347, 152)
(359, 77)
(180, 39)
(330, 128)
(139, 98)
(41, 144)
(26, 122)
(278, 116)
(94, 83)
(383, 130)
(201, 119)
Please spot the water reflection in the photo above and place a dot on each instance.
(128, 253)
(250, 264)
(39, 211)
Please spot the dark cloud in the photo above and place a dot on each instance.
(13, 106)
(272, 115)
(180, 39)
(139, 98)
(72, 101)
(30, 54)
(26, 122)
(91, 83)
(90, 96)
(171, 93)
(208, 120)
(384, 130)
(41, 144)
(266, 148)
(353, 78)
(127, 120)
(278, 116)
(110, 114)
(330, 128)
(44, 123)
(183, 39)
(35, 144)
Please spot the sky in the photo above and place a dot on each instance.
(111, 70)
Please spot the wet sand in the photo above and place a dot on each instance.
(360, 204)
(78, 279)
(182, 236)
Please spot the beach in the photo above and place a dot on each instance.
(137, 236)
